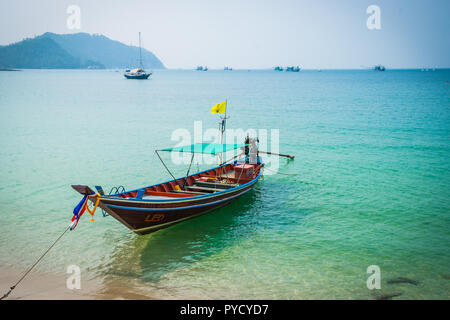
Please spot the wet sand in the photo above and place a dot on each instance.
(45, 286)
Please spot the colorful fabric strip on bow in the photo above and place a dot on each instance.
(78, 212)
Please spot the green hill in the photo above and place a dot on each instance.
(72, 51)
(38, 53)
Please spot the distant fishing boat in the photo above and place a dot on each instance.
(137, 73)
(293, 69)
(228, 69)
(151, 208)
(379, 68)
(201, 68)
(278, 68)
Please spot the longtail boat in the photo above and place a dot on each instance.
(158, 206)
(148, 209)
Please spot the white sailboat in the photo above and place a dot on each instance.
(138, 73)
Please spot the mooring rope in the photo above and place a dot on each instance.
(278, 172)
(28, 271)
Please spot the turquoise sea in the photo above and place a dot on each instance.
(370, 184)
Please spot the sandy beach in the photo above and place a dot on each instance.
(43, 286)
(46, 286)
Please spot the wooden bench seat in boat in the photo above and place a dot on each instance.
(150, 197)
(226, 175)
(229, 174)
(188, 192)
(156, 194)
(203, 188)
(216, 185)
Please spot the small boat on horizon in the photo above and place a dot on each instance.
(201, 68)
(379, 68)
(278, 68)
(293, 69)
(228, 69)
(137, 73)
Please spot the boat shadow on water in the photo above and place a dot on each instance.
(150, 257)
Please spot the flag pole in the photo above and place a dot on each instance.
(222, 129)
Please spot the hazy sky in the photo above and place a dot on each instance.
(252, 33)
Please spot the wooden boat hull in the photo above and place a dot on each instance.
(144, 216)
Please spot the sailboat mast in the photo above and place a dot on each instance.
(140, 54)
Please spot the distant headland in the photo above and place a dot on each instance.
(73, 51)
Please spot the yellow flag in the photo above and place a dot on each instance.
(219, 108)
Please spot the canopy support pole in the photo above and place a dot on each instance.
(165, 165)
(187, 173)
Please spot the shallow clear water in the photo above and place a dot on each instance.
(370, 184)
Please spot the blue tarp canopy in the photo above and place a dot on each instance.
(209, 148)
